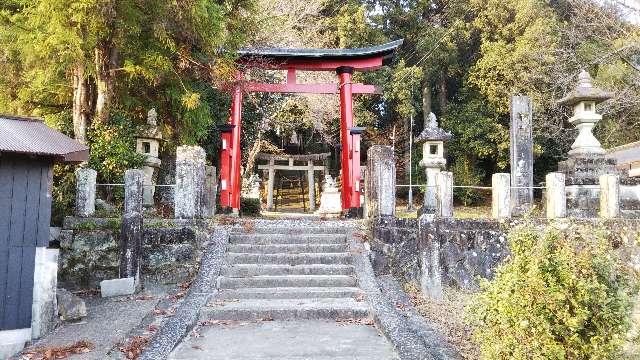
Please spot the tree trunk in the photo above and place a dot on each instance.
(104, 58)
(81, 103)
(442, 91)
(426, 103)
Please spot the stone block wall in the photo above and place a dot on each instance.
(394, 245)
(88, 256)
(468, 249)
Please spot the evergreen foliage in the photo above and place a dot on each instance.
(563, 294)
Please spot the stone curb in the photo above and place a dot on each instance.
(432, 338)
(407, 343)
(178, 326)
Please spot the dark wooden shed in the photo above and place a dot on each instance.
(28, 150)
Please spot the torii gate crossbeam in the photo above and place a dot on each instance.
(344, 62)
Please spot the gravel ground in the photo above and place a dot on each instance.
(107, 324)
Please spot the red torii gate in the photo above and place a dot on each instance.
(344, 62)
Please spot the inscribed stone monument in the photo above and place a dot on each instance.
(521, 150)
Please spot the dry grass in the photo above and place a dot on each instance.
(447, 315)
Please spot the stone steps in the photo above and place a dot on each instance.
(288, 248)
(266, 239)
(244, 270)
(288, 274)
(303, 228)
(291, 259)
(286, 309)
(291, 293)
(270, 281)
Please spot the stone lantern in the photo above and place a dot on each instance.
(584, 99)
(433, 160)
(148, 144)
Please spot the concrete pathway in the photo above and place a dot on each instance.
(285, 340)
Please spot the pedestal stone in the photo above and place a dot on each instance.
(444, 191)
(190, 171)
(381, 181)
(85, 192)
(210, 188)
(609, 196)
(45, 281)
(131, 229)
(501, 196)
(555, 197)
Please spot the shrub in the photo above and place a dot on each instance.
(563, 294)
(250, 207)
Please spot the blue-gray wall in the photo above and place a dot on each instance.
(25, 213)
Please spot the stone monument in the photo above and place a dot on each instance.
(433, 160)
(148, 144)
(521, 154)
(330, 201)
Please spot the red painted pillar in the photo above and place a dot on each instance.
(346, 122)
(235, 120)
(355, 134)
(225, 165)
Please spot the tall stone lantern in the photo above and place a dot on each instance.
(432, 138)
(584, 99)
(148, 144)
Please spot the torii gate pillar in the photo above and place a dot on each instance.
(350, 155)
(230, 157)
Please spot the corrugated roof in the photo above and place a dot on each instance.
(625, 154)
(27, 135)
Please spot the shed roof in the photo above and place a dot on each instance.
(29, 135)
(625, 154)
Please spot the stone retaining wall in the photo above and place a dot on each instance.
(90, 255)
(457, 253)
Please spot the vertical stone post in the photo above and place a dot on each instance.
(556, 196)
(209, 189)
(190, 173)
(521, 154)
(381, 181)
(270, 183)
(444, 194)
(45, 280)
(312, 186)
(501, 196)
(609, 196)
(85, 192)
(131, 230)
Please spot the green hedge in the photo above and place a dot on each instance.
(563, 294)
(250, 207)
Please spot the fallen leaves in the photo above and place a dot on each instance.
(58, 352)
(227, 220)
(134, 347)
(362, 237)
(216, 322)
(135, 298)
(249, 227)
(355, 321)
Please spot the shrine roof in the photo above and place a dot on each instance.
(31, 136)
(384, 51)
